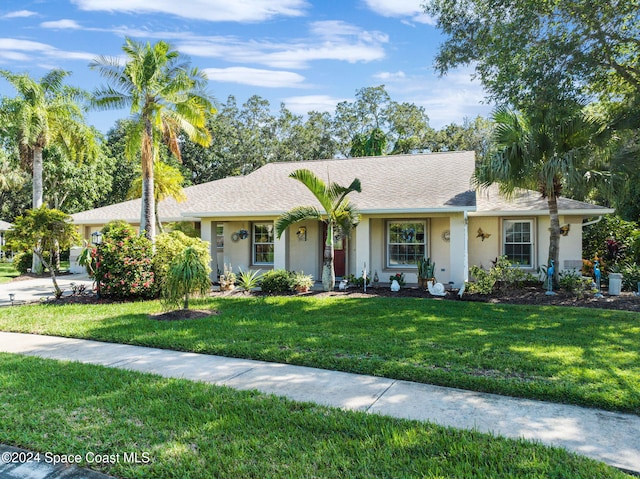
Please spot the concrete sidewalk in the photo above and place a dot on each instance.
(610, 437)
(36, 289)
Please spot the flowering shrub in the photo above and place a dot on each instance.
(399, 277)
(124, 267)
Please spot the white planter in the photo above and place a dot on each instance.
(615, 284)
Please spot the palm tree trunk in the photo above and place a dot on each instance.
(37, 191)
(554, 236)
(148, 223)
(328, 271)
(37, 177)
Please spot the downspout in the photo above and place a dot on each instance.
(466, 247)
(589, 223)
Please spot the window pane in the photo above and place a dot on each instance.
(518, 245)
(406, 243)
(263, 247)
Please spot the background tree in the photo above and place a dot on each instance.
(543, 151)
(47, 112)
(165, 97)
(168, 183)
(43, 230)
(338, 214)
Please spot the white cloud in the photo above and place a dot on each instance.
(64, 24)
(390, 76)
(19, 14)
(411, 9)
(14, 49)
(347, 43)
(209, 10)
(256, 77)
(301, 105)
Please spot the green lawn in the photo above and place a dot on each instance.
(7, 272)
(188, 429)
(573, 355)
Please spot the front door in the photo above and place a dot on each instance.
(339, 253)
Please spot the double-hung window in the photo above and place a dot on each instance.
(518, 242)
(263, 243)
(406, 243)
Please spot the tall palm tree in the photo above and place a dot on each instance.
(339, 214)
(544, 150)
(43, 113)
(165, 97)
(167, 183)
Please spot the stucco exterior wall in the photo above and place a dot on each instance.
(439, 249)
(304, 254)
(481, 253)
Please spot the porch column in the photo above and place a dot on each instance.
(207, 233)
(458, 254)
(362, 248)
(280, 250)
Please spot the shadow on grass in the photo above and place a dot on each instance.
(189, 429)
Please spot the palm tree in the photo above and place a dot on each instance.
(339, 215)
(47, 112)
(545, 151)
(167, 183)
(165, 97)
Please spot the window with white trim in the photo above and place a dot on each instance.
(263, 243)
(220, 236)
(518, 242)
(406, 243)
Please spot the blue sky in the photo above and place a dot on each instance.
(309, 54)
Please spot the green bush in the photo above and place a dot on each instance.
(248, 280)
(124, 267)
(500, 276)
(630, 276)
(277, 281)
(23, 261)
(573, 282)
(169, 246)
(301, 282)
(626, 233)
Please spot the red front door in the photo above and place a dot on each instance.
(339, 253)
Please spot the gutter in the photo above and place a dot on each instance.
(589, 223)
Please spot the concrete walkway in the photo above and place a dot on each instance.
(37, 289)
(610, 437)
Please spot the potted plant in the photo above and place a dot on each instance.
(426, 270)
(301, 282)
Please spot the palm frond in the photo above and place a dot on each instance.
(296, 215)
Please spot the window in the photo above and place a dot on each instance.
(263, 243)
(518, 242)
(406, 243)
(220, 236)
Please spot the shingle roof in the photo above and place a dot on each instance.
(490, 202)
(422, 183)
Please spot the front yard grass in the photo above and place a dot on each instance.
(7, 272)
(573, 355)
(188, 429)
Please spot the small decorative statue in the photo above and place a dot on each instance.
(343, 285)
(550, 271)
(395, 286)
(597, 275)
(375, 279)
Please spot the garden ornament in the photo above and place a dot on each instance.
(343, 285)
(597, 274)
(550, 271)
(395, 286)
(436, 289)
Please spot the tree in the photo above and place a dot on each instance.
(519, 48)
(165, 96)
(543, 151)
(188, 274)
(47, 112)
(43, 230)
(338, 214)
(167, 183)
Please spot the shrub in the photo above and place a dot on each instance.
(23, 261)
(573, 282)
(630, 276)
(277, 281)
(169, 246)
(124, 266)
(359, 282)
(187, 274)
(502, 275)
(248, 280)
